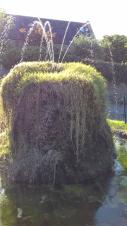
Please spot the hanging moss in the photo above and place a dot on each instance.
(56, 112)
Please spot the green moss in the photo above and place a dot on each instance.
(4, 145)
(72, 81)
(40, 72)
(74, 190)
(4, 137)
(56, 114)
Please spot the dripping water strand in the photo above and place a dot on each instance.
(114, 80)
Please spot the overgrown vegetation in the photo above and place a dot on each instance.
(57, 121)
(4, 132)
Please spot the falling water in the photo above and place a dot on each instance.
(27, 41)
(73, 40)
(42, 39)
(92, 50)
(4, 34)
(49, 40)
(63, 40)
(114, 80)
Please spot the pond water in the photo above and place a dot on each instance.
(102, 202)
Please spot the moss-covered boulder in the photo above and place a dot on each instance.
(58, 127)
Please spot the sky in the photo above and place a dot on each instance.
(107, 17)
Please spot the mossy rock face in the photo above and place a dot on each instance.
(59, 132)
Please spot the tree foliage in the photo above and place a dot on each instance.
(117, 44)
(108, 55)
(84, 48)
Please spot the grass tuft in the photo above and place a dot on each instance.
(117, 125)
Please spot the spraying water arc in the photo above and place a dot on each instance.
(73, 40)
(44, 36)
(63, 40)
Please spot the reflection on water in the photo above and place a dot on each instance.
(99, 203)
(102, 203)
(45, 206)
